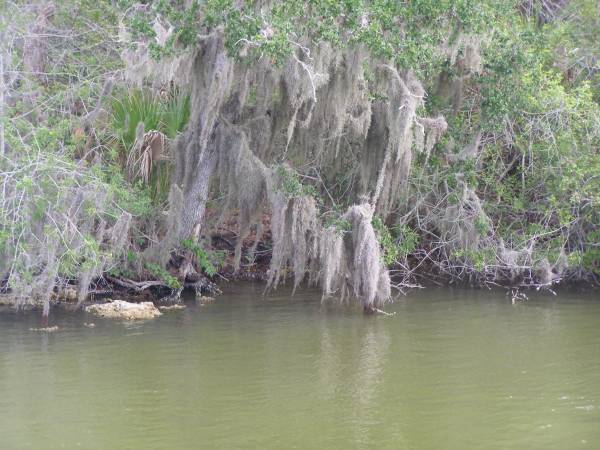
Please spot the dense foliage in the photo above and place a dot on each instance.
(519, 80)
(507, 191)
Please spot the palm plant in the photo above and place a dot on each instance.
(145, 125)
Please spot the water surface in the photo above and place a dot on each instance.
(453, 369)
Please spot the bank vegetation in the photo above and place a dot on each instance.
(366, 147)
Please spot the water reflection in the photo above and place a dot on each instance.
(452, 370)
(373, 352)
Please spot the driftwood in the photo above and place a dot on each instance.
(137, 286)
(193, 281)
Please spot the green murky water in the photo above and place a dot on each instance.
(453, 369)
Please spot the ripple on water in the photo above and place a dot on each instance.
(453, 369)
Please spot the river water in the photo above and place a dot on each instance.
(452, 369)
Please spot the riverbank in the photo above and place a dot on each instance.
(163, 297)
(193, 282)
